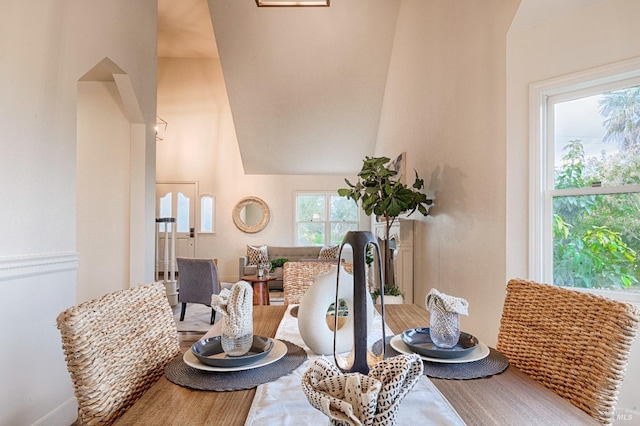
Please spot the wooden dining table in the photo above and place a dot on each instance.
(508, 398)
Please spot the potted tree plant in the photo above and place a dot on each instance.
(380, 192)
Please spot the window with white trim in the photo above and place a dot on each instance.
(586, 186)
(323, 218)
(207, 210)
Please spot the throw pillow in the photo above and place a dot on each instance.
(255, 254)
(329, 252)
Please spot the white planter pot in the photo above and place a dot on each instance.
(391, 300)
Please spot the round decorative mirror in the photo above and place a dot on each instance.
(251, 214)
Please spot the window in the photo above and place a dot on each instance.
(207, 208)
(323, 218)
(586, 195)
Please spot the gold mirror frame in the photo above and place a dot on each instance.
(237, 211)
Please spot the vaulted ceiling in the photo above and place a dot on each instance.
(304, 83)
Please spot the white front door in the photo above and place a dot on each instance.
(176, 200)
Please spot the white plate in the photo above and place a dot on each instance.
(480, 352)
(279, 350)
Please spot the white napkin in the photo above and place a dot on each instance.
(356, 399)
(443, 302)
(236, 305)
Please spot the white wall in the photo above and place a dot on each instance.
(201, 146)
(103, 166)
(445, 107)
(46, 46)
(597, 35)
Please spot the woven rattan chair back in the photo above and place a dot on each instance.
(297, 277)
(575, 343)
(116, 347)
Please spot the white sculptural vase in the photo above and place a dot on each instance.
(312, 313)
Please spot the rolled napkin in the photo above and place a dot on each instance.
(444, 325)
(356, 399)
(236, 306)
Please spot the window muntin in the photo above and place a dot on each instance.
(323, 218)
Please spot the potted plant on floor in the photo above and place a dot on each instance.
(381, 192)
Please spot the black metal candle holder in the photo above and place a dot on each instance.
(360, 359)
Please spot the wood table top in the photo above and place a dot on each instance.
(257, 279)
(510, 398)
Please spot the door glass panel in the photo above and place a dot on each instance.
(183, 213)
(165, 209)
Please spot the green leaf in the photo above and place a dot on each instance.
(381, 192)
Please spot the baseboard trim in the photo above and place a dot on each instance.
(16, 267)
(64, 414)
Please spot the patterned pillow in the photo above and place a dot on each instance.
(329, 252)
(255, 254)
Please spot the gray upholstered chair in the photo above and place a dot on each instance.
(575, 343)
(116, 347)
(197, 282)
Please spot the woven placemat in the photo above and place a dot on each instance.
(181, 374)
(492, 364)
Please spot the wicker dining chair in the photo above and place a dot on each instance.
(575, 343)
(116, 347)
(297, 277)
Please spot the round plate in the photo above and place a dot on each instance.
(419, 341)
(209, 351)
(481, 351)
(279, 350)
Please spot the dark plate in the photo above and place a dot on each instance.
(419, 341)
(209, 351)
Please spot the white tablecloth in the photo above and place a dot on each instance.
(283, 402)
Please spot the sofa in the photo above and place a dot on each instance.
(294, 254)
